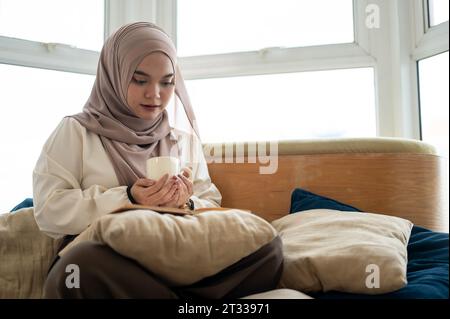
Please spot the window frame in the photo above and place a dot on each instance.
(51, 56)
(395, 68)
(396, 81)
(428, 42)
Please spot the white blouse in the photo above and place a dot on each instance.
(74, 181)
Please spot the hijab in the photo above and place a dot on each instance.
(129, 140)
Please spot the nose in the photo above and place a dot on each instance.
(152, 91)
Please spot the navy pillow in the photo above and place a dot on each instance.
(28, 202)
(304, 200)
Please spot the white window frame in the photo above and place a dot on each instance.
(428, 41)
(392, 50)
(63, 57)
(51, 56)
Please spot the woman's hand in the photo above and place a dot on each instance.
(155, 193)
(185, 190)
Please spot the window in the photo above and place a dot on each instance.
(315, 53)
(437, 12)
(77, 23)
(434, 105)
(211, 27)
(434, 101)
(34, 102)
(35, 96)
(337, 103)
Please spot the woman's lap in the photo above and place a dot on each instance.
(103, 273)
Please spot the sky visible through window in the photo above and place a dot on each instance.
(34, 102)
(211, 27)
(337, 103)
(79, 23)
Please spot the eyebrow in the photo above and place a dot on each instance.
(145, 74)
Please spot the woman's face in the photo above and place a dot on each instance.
(151, 86)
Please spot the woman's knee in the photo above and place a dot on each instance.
(94, 270)
(64, 279)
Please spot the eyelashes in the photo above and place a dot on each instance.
(142, 82)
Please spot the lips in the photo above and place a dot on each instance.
(150, 106)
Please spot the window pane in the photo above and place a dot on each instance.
(433, 77)
(338, 103)
(209, 27)
(74, 22)
(438, 11)
(34, 102)
(434, 103)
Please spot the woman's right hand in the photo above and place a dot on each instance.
(154, 193)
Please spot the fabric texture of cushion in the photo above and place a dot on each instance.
(328, 250)
(427, 270)
(26, 254)
(303, 200)
(181, 249)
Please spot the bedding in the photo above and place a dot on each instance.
(427, 269)
(181, 249)
(428, 256)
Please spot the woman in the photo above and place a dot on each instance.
(94, 163)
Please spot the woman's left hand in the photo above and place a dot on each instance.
(185, 191)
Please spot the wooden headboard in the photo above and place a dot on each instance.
(408, 183)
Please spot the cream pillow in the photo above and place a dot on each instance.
(181, 249)
(343, 251)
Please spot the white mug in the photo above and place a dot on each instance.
(158, 166)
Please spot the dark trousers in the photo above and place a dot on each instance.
(103, 273)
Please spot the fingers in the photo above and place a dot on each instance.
(187, 172)
(173, 198)
(188, 184)
(173, 192)
(145, 182)
(183, 193)
(158, 185)
(170, 197)
(160, 196)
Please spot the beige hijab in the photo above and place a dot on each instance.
(128, 139)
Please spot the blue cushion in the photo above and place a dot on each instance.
(28, 202)
(304, 200)
(428, 256)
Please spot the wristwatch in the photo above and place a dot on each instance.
(190, 204)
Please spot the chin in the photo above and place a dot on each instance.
(149, 117)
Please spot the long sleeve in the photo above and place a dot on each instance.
(63, 203)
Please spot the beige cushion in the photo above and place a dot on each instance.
(181, 249)
(282, 293)
(332, 250)
(25, 253)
